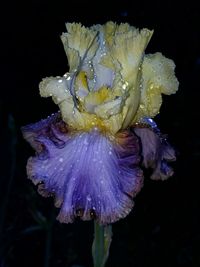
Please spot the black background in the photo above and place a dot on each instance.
(163, 228)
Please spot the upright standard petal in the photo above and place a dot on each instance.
(90, 174)
(158, 77)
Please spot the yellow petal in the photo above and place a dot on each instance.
(131, 71)
(95, 98)
(79, 42)
(54, 87)
(81, 85)
(109, 108)
(128, 50)
(158, 78)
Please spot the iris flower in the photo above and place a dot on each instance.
(90, 155)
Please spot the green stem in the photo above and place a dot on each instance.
(101, 244)
(48, 243)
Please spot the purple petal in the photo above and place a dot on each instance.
(156, 152)
(90, 175)
(52, 127)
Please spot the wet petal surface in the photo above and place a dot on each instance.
(90, 174)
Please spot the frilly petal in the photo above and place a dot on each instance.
(57, 88)
(52, 127)
(90, 174)
(156, 152)
(158, 78)
(80, 43)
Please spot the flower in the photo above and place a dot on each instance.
(89, 155)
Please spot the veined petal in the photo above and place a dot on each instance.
(90, 175)
(128, 49)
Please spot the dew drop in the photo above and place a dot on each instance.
(92, 214)
(85, 142)
(79, 212)
(89, 198)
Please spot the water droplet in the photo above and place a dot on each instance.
(85, 142)
(89, 198)
(79, 212)
(92, 214)
(124, 86)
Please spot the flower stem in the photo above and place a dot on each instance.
(101, 244)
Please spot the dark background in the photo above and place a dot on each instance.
(163, 228)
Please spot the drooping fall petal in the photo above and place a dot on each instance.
(89, 173)
(156, 152)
